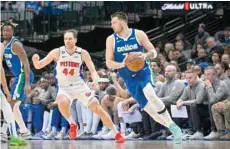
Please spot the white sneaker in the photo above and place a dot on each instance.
(3, 133)
(214, 135)
(60, 136)
(26, 135)
(197, 136)
(108, 136)
(169, 137)
(130, 136)
(101, 133)
(80, 132)
(50, 136)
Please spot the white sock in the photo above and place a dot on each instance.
(18, 117)
(48, 129)
(114, 129)
(123, 127)
(63, 130)
(96, 120)
(45, 120)
(54, 130)
(89, 120)
(8, 116)
(84, 114)
(155, 105)
(81, 127)
(71, 120)
(29, 121)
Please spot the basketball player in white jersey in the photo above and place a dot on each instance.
(69, 59)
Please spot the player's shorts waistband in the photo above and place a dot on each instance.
(68, 85)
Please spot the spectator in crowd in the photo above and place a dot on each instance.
(189, 64)
(223, 37)
(221, 69)
(199, 72)
(202, 35)
(225, 58)
(179, 45)
(180, 59)
(170, 55)
(217, 91)
(170, 90)
(194, 96)
(216, 57)
(221, 116)
(187, 44)
(213, 47)
(201, 56)
(168, 47)
(197, 47)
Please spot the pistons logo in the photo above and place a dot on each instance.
(87, 94)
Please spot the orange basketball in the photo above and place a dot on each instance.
(134, 62)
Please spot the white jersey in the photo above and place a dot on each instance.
(68, 67)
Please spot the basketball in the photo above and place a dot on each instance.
(134, 62)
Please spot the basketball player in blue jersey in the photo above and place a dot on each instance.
(7, 110)
(126, 40)
(17, 62)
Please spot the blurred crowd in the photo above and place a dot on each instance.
(196, 76)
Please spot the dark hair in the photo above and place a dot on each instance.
(75, 32)
(223, 65)
(6, 23)
(120, 16)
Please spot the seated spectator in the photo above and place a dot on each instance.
(195, 50)
(179, 45)
(223, 38)
(202, 35)
(215, 58)
(213, 47)
(180, 59)
(199, 72)
(201, 56)
(171, 90)
(217, 91)
(170, 55)
(168, 47)
(221, 116)
(221, 69)
(128, 112)
(225, 58)
(187, 44)
(189, 64)
(194, 96)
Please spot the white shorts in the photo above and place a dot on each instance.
(79, 91)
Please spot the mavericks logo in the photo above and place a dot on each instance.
(127, 48)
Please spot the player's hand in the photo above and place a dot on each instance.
(220, 106)
(27, 88)
(125, 105)
(95, 86)
(35, 58)
(179, 105)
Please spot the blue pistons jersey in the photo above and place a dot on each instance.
(135, 81)
(17, 69)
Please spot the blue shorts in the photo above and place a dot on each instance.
(17, 89)
(136, 84)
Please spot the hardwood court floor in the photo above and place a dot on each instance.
(81, 144)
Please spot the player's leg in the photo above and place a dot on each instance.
(9, 117)
(18, 94)
(107, 121)
(157, 110)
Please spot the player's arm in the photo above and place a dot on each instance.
(89, 63)
(144, 41)
(3, 77)
(110, 55)
(18, 49)
(52, 56)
